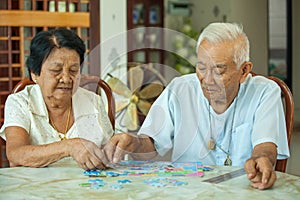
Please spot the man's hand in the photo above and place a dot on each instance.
(119, 145)
(259, 167)
(139, 147)
(260, 172)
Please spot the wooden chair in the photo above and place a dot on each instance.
(289, 115)
(86, 80)
(3, 159)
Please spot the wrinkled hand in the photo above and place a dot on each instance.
(119, 145)
(87, 154)
(260, 172)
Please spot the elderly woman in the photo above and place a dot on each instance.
(55, 118)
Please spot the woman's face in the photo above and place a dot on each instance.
(60, 74)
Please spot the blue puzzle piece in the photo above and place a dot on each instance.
(92, 173)
(124, 181)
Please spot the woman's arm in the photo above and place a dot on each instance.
(21, 153)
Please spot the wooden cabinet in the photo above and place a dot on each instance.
(21, 20)
(145, 44)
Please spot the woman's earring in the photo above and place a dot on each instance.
(35, 80)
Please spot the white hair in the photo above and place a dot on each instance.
(221, 32)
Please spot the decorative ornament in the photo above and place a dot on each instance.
(227, 161)
(211, 144)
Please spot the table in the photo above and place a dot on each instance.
(62, 181)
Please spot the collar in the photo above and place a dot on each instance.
(83, 102)
(36, 101)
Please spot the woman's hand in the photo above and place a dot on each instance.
(87, 154)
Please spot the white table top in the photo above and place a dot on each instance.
(62, 181)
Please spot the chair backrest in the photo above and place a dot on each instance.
(88, 80)
(22, 84)
(289, 115)
(85, 81)
(3, 159)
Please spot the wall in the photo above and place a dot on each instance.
(113, 26)
(277, 24)
(293, 165)
(254, 17)
(295, 55)
(113, 46)
(241, 11)
(205, 12)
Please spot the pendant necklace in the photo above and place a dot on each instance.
(211, 142)
(66, 129)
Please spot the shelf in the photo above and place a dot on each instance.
(16, 65)
(4, 93)
(41, 18)
(9, 38)
(7, 79)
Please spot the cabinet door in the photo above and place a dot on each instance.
(145, 13)
(145, 38)
(155, 13)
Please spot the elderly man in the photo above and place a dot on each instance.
(220, 116)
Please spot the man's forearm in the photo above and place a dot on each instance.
(145, 149)
(146, 144)
(267, 149)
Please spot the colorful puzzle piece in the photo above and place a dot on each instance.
(152, 168)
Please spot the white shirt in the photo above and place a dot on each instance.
(179, 120)
(27, 109)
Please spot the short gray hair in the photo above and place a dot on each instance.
(220, 32)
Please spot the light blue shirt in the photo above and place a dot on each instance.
(179, 120)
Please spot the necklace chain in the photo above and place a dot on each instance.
(67, 126)
(212, 144)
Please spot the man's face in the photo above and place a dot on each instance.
(218, 73)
